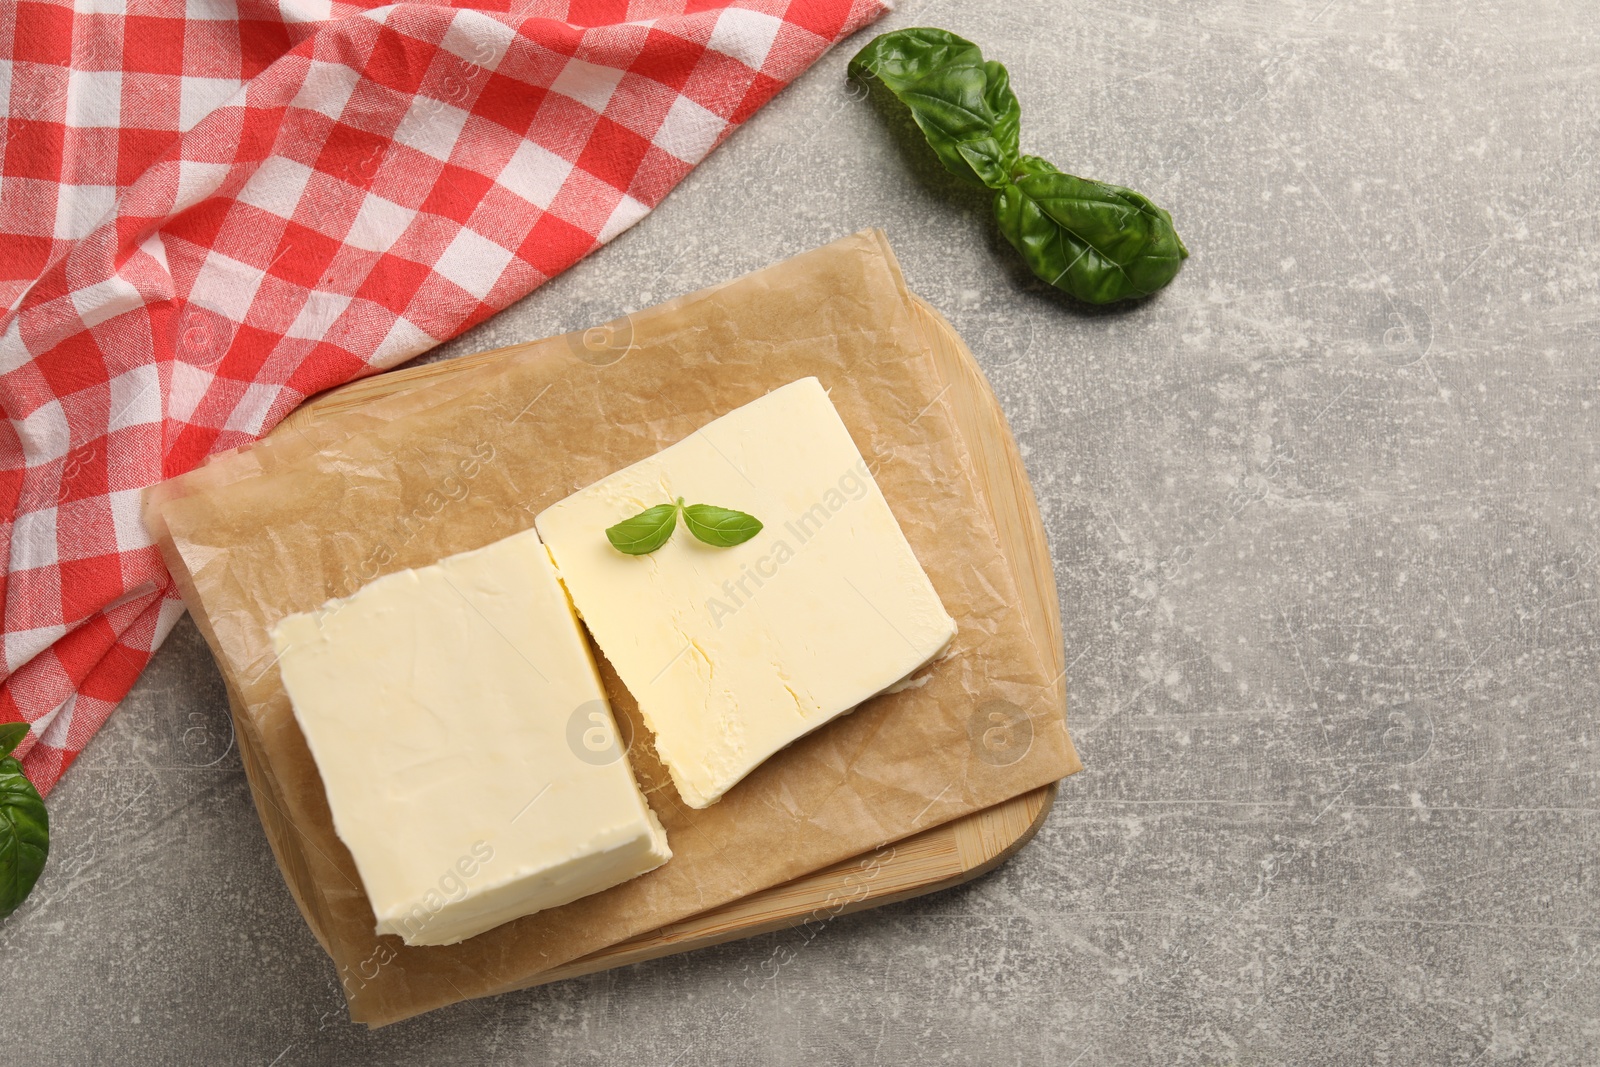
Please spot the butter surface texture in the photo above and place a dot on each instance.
(466, 746)
(733, 653)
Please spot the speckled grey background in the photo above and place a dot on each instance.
(1324, 521)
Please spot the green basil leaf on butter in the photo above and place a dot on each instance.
(1099, 242)
(24, 826)
(721, 527)
(963, 105)
(645, 532)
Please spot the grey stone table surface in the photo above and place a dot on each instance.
(1324, 518)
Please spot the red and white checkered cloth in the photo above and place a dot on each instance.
(212, 209)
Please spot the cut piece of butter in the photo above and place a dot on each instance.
(468, 752)
(733, 653)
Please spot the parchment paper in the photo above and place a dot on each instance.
(315, 511)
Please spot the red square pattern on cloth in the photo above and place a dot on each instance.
(212, 209)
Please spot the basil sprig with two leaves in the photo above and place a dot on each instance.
(24, 825)
(1099, 242)
(652, 528)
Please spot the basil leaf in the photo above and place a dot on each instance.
(24, 829)
(903, 56)
(988, 160)
(963, 105)
(1099, 242)
(721, 527)
(11, 735)
(645, 532)
(1027, 164)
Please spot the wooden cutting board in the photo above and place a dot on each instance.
(940, 857)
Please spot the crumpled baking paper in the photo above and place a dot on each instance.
(351, 489)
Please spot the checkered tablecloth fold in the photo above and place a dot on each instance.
(211, 210)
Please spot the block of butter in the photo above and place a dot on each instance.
(733, 653)
(467, 749)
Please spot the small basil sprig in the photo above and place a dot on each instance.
(1099, 242)
(652, 528)
(24, 825)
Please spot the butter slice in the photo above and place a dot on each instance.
(733, 653)
(467, 749)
